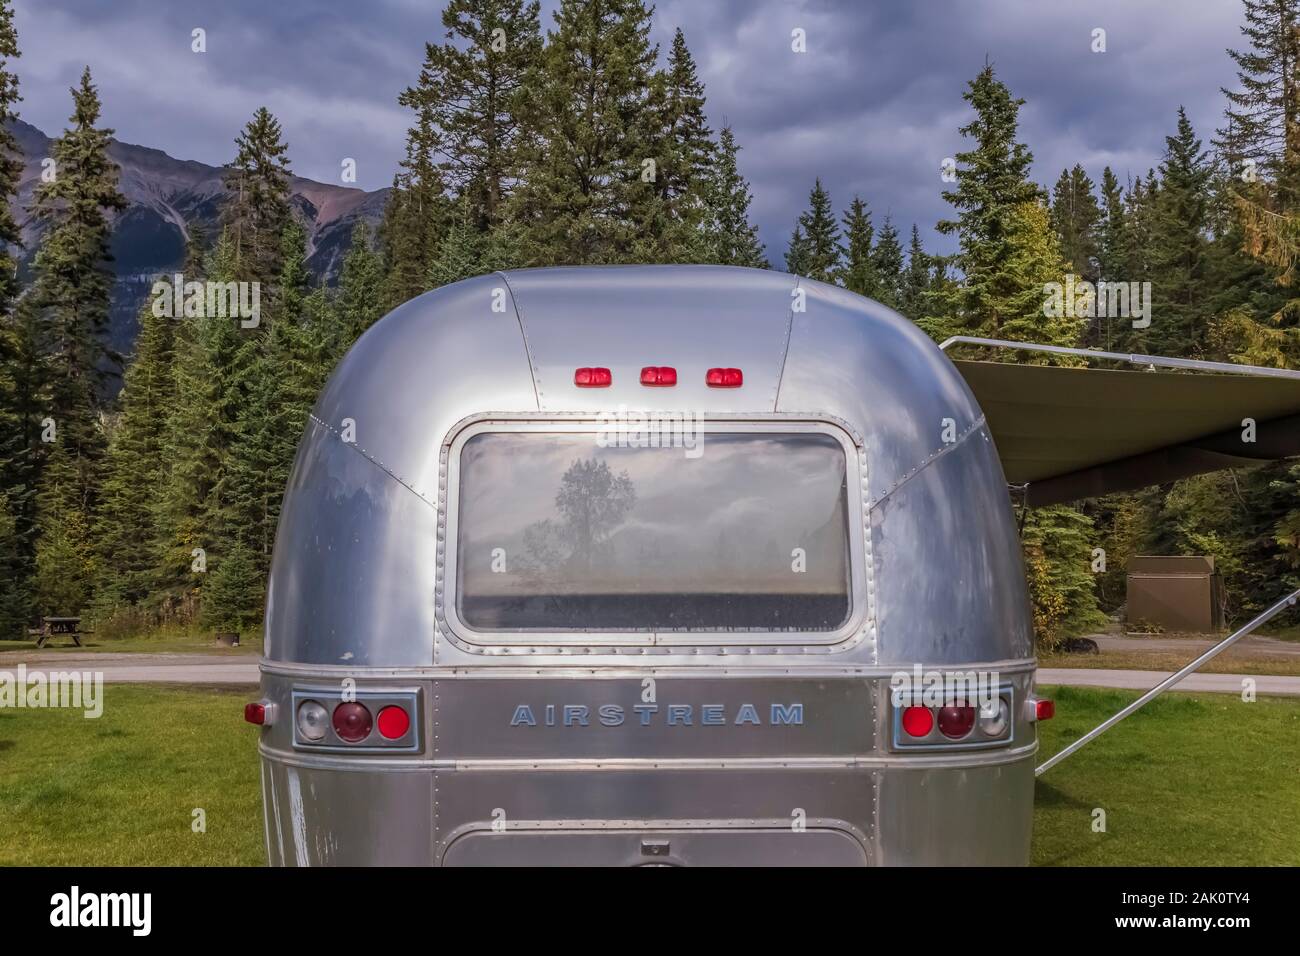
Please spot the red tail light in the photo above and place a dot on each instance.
(658, 375)
(955, 722)
(1044, 709)
(724, 378)
(592, 377)
(352, 722)
(918, 721)
(255, 713)
(393, 722)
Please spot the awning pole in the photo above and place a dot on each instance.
(1171, 680)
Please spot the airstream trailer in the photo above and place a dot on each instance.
(648, 565)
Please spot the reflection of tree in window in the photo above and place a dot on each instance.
(592, 501)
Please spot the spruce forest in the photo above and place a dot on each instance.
(156, 507)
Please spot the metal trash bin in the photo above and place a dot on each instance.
(1177, 593)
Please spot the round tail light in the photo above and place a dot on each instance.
(352, 722)
(312, 720)
(393, 722)
(956, 722)
(994, 719)
(918, 721)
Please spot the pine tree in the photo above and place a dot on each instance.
(1075, 216)
(361, 278)
(1260, 148)
(463, 251)
(466, 103)
(729, 237)
(233, 598)
(858, 273)
(1140, 204)
(19, 366)
(279, 377)
(590, 192)
(224, 388)
(815, 251)
(70, 301)
(257, 198)
(65, 558)
(686, 149)
(1034, 260)
(1058, 544)
(1113, 258)
(15, 575)
(135, 468)
(415, 216)
(23, 405)
(11, 164)
(797, 253)
(992, 185)
(191, 510)
(1179, 248)
(1111, 239)
(916, 281)
(887, 259)
(1263, 115)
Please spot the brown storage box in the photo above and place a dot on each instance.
(1177, 593)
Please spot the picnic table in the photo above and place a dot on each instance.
(50, 626)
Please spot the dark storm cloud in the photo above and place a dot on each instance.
(873, 107)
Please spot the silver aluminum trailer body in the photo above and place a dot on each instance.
(743, 745)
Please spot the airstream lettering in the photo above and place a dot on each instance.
(501, 583)
(648, 715)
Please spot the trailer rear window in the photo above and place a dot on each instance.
(556, 533)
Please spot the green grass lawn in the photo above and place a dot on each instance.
(1189, 780)
(121, 789)
(1195, 779)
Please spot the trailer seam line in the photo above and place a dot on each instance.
(961, 440)
(523, 333)
(372, 459)
(785, 350)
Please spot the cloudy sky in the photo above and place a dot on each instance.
(872, 107)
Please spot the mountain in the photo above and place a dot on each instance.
(166, 195)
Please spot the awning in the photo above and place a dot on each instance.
(1073, 433)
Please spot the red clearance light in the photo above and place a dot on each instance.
(918, 721)
(255, 713)
(955, 722)
(352, 722)
(658, 375)
(393, 723)
(724, 378)
(1044, 709)
(592, 377)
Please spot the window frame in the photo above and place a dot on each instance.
(541, 641)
